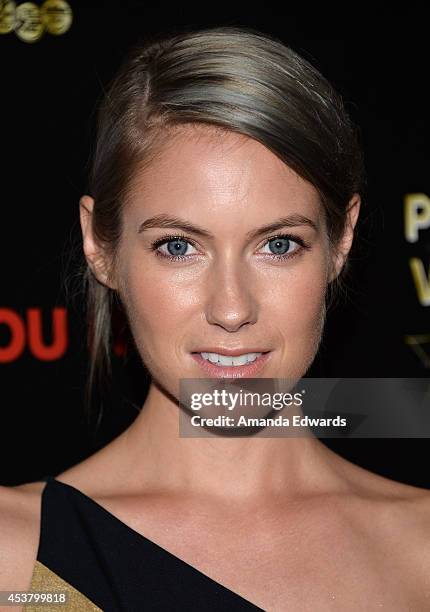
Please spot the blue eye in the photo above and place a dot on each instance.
(176, 247)
(279, 245)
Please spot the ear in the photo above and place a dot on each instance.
(344, 245)
(94, 253)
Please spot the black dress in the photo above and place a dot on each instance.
(104, 564)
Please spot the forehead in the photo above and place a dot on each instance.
(202, 170)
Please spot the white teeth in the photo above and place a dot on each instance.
(224, 360)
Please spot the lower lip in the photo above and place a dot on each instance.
(244, 371)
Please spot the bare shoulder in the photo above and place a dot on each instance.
(395, 518)
(20, 509)
(409, 511)
(405, 525)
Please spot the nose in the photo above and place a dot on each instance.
(231, 303)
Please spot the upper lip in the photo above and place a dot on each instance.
(231, 352)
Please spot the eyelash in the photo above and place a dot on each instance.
(164, 239)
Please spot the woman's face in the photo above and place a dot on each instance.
(231, 288)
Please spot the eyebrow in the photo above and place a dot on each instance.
(163, 220)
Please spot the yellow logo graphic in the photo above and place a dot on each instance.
(56, 16)
(420, 344)
(416, 215)
(417, 219)
(29, 21)
(28, 25)
(7, 17)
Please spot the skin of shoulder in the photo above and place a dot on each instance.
(20, 530)
(412, 519)
(399, 518)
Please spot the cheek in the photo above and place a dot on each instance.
(307, 304)
(298, 307)
(308, 333)
(157, 305)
